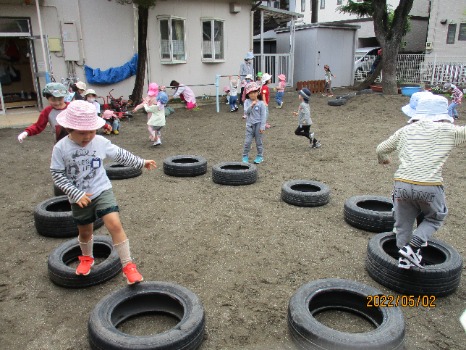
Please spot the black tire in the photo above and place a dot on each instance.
(234, 173)
(185, 165)
(343, 295)
(337, 102)
(364, 92)
(57, 192)
(441, 275)
(148, 297)
(305, 193)
(53, 218)
(117, 171)
(370, 213)
(63, 275)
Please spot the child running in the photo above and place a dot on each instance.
(280, 90)
(456, 99)
(328, 81)
(423, 147)
(157, 119)
(55, 94)
(77, 169)
(256, 118)
(304, 118)
(149, 100)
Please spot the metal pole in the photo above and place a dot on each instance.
(433, 70)
(47, 77)
(217, 102)
(262, 42)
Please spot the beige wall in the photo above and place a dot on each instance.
(106, 38)
(453, 11)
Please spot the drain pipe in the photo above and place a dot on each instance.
(47, 75)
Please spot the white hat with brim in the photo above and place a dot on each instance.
(432, 108)
(249, 56)
(266, 77)
(81, 85)
(410, 108)
(80, 115)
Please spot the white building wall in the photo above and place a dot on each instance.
(448, 11)
(312, 52)
(107, 37)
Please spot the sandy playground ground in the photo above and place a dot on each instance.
(242, 250)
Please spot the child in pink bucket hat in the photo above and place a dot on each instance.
(77, 169)
(149, 100)
(280, 90)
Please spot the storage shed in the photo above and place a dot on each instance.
(319, 44)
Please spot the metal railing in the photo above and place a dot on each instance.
(419, 68)
(275, 64)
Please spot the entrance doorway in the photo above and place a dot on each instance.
(18, 71)
(16, 75)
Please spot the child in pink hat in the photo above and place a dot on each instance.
(77, 169)
(149, 100)
(112, 122)
(280, 88)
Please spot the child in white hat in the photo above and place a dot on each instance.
(456, 99)
(423, 148)
(55, 94)
(90, 96)
(77, 169)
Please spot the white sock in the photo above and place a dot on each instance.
(123, 252)
(87, 247)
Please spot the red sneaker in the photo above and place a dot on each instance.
(85, 264)
(132, 274)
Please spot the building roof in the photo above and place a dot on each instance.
(273, 18)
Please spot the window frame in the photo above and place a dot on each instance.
(303, 5)
(171, 59)
(339, 2)
(322, 4)
(451, 34)
(212, 21)
(462, 32)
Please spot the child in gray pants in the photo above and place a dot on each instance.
(256, 118)
(423, 147)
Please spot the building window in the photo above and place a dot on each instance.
(462, 32)
(339, 2)
(451, 33)
(303, 5)
(172, 38)
(322, 4)
(212, 40)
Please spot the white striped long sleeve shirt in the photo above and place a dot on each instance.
(423, 148)
(79, 170)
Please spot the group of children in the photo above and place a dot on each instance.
(77, 161)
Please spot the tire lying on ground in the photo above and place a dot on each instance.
(117, 171)
(143, 298)
(234, 173)
(63, 275)
(305, 193)
(441, 275)
(343, 295)
(185, 165)
(370, 213)
(53, 218)
(337, 102)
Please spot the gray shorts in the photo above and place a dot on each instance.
(104, 204)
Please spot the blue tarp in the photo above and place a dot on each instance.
(113, 74)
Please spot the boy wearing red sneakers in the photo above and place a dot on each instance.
(77, 169)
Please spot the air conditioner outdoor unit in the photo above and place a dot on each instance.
(429, 45)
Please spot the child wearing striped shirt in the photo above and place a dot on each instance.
(423, 147)
(77, 169)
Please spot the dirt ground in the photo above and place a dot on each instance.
(242, 250)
